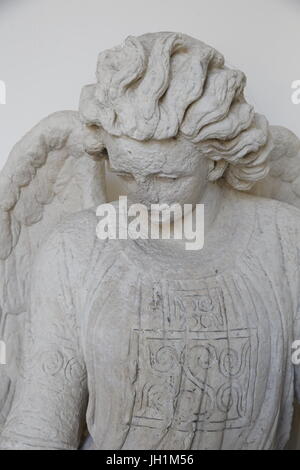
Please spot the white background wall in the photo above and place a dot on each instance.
(48, 50)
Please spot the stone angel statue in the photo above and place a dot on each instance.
(141, 342)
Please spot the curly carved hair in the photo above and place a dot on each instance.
(161, 84)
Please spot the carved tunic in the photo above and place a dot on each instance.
(158, 352)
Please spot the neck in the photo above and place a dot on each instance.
(212, 198)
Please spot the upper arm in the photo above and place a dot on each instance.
(49, 406)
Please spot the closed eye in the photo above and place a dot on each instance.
(169, 177)
(125, 176)
(120, 173)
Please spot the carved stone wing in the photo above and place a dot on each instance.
(47, 176)
(283, 181)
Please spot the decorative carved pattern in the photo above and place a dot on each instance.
(195, 377)
(197, 309)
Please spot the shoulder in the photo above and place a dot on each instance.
(73, 240)
(78, 229)
(273, 212)
(285, 216)
(288, 216)
(267, 219)
(277, 220)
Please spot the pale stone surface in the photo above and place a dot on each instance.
(152, 346)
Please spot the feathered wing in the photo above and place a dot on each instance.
(283, 181)
(47, 175)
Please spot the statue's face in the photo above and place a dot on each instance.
(158, 172)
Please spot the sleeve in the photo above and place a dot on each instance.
(49, 406)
